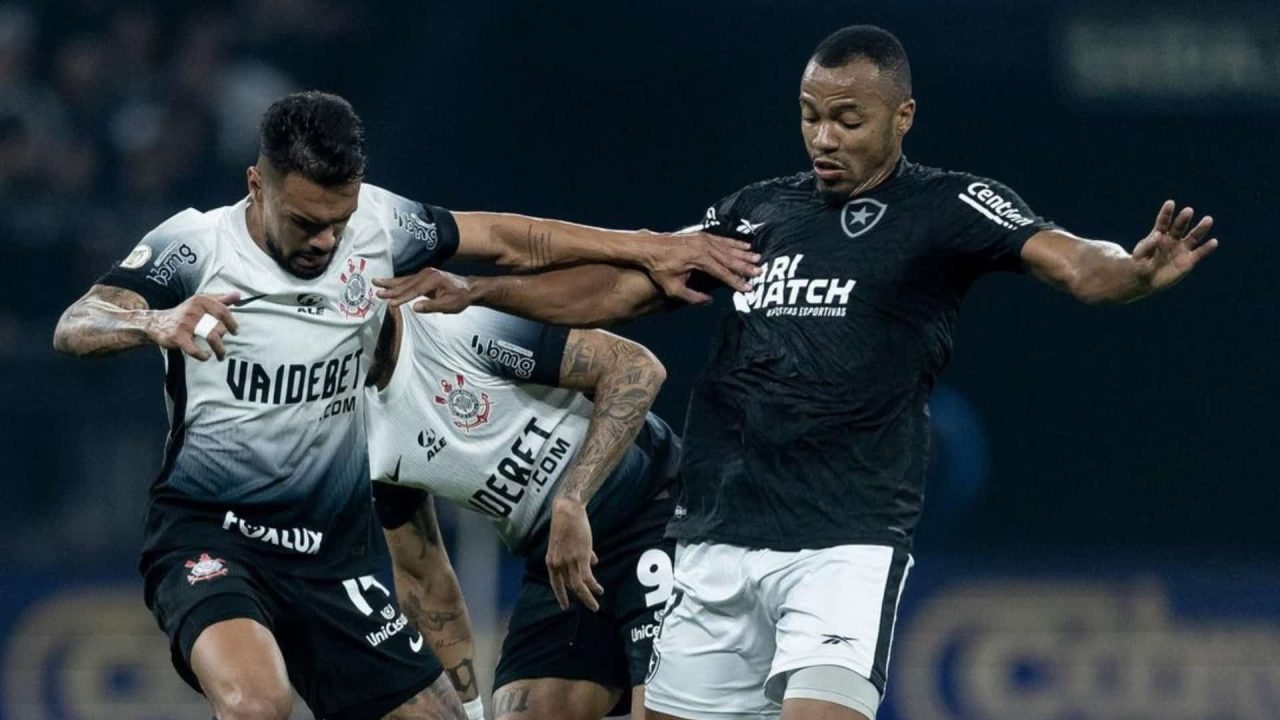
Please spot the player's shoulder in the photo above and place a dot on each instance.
(796, 184)
(192, 234)
(947, 180)
(191, 224)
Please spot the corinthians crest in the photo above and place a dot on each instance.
(468, 408)
(205, 568)
(356, 298)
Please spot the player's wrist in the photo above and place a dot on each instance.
(645, 249)
(568, 502)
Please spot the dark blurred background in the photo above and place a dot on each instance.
(1124, 457)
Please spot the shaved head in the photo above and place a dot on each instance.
(875, 45)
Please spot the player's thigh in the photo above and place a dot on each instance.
(242, 671)
(837, 609)
(715, 643)
(437, 701)
(351, 652)
(553, 699)
(804, 709)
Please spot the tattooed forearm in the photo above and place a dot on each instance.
(104, 321)
(539, 248)
(429, 594)
(463, 678)
(625, 379)
(436, 702)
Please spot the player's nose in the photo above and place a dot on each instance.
(825, 138)
(324, 241)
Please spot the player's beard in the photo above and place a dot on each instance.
(833, 196)
(284, 261)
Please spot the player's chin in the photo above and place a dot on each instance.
(834, 193)
(309, 267)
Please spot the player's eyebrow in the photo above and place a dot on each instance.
(304, 220)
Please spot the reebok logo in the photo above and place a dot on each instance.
(837, 639)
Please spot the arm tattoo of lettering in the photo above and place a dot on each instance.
(509, 701)
(539, 247)
(106, 320)
(463, 677)
(627, 380)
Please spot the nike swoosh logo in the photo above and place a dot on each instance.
(246, 301)
(416, 643)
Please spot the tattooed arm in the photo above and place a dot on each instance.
(110, 319)
(428, 592)
(624, 379)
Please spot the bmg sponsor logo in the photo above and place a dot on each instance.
(1054, 650)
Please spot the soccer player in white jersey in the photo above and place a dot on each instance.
(260, 544)
(490, 412)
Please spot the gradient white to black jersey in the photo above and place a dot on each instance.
(471, 415)
(810, 427)
(267, 448)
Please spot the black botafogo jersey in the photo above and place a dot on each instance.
(810, 427)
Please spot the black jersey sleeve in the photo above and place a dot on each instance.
(724, 218)
(421, 235)
(395, 504)
(503, 345)
(986, 222)
(166, 267)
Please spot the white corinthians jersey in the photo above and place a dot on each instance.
(471, 415)
(267, 448)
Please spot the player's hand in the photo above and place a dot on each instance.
(569, 555)
(1173, 248)
(671, 259)
(444, 292)
(175, 329)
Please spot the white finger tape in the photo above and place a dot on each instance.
(206, 326)
(474, 709)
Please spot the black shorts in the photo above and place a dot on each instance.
(610, 647)
(349, 651)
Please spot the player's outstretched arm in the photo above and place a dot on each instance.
(585, 296)
(110, 319)
(623, 378)
(428, 592)
(670, 259)
(1102, 272)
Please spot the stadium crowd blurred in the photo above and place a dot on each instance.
(114, 114)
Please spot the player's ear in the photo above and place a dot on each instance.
(255, 184)
(904, 116)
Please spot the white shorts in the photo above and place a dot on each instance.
(739, 621)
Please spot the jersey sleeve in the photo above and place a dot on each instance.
(726, 219)
(167, 266)
(501, 345)
(421, 235)
(987, 223)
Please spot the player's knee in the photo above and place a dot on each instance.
(256, 703)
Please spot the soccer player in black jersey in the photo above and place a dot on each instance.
(807, 435)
